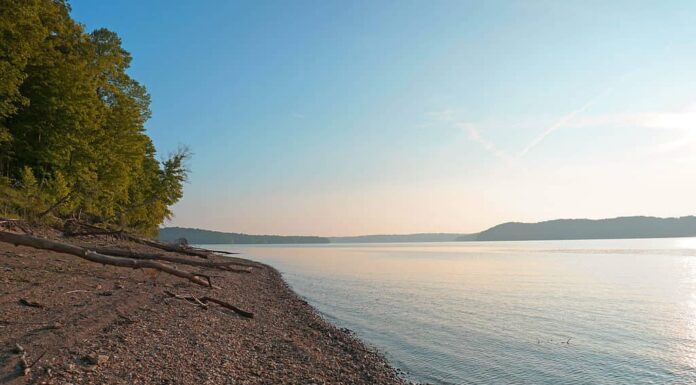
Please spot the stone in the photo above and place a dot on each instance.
(97, 359)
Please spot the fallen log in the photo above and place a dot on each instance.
(213, 251)
(72, 225)
(203, 302)
(45, 244)
(183, 261)
(168, 247)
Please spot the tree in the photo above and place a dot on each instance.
(21, 31)
(73, 117)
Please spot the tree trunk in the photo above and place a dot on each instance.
(183, 261)
(45, 244)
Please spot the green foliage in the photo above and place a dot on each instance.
(21, 31)
(10, 199)
(31, 194)
(72, 137)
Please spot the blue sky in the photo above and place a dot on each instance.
(339, 118)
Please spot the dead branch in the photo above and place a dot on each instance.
(26, 302)
(203, 302)
(188, 298)
(37, 360)
(168, 247)
(150, 256)
(14, 223)
(229, 306)
(45, 244)
(55, 205)
(213, 251)
(95, 230)
(77, 291)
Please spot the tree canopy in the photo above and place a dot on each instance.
(72, 136)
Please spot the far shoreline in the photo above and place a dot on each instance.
(635, 227)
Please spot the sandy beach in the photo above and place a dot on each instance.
(79, 322)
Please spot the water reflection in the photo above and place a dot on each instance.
(611, 312)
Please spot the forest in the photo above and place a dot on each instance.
(73, 143)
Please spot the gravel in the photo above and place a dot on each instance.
(109, 325)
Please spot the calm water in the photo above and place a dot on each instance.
(557, 312)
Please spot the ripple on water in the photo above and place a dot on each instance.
(580, 312)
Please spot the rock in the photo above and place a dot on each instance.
(96, 359)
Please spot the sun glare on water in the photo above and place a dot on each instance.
(686, 243)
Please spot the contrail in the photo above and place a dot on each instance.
(565, 119)
(475, 136)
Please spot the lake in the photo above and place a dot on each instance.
(540, 312)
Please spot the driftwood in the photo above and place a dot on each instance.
(183, 261)
(95, 230)
(26, 302)
(39, 243)
(189, 298)
(213, 251)
(167, 247)
(203, 302)
(71, 225)
(55, 205)
(229, 306)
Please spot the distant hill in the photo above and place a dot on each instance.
(422, 237)
(198, 236)
(616, 228)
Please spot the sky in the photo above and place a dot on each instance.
(364, 117)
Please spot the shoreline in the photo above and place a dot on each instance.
(108, 325)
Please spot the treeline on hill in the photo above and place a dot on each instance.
(202, 237)
(72, 137)
(613, 228)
